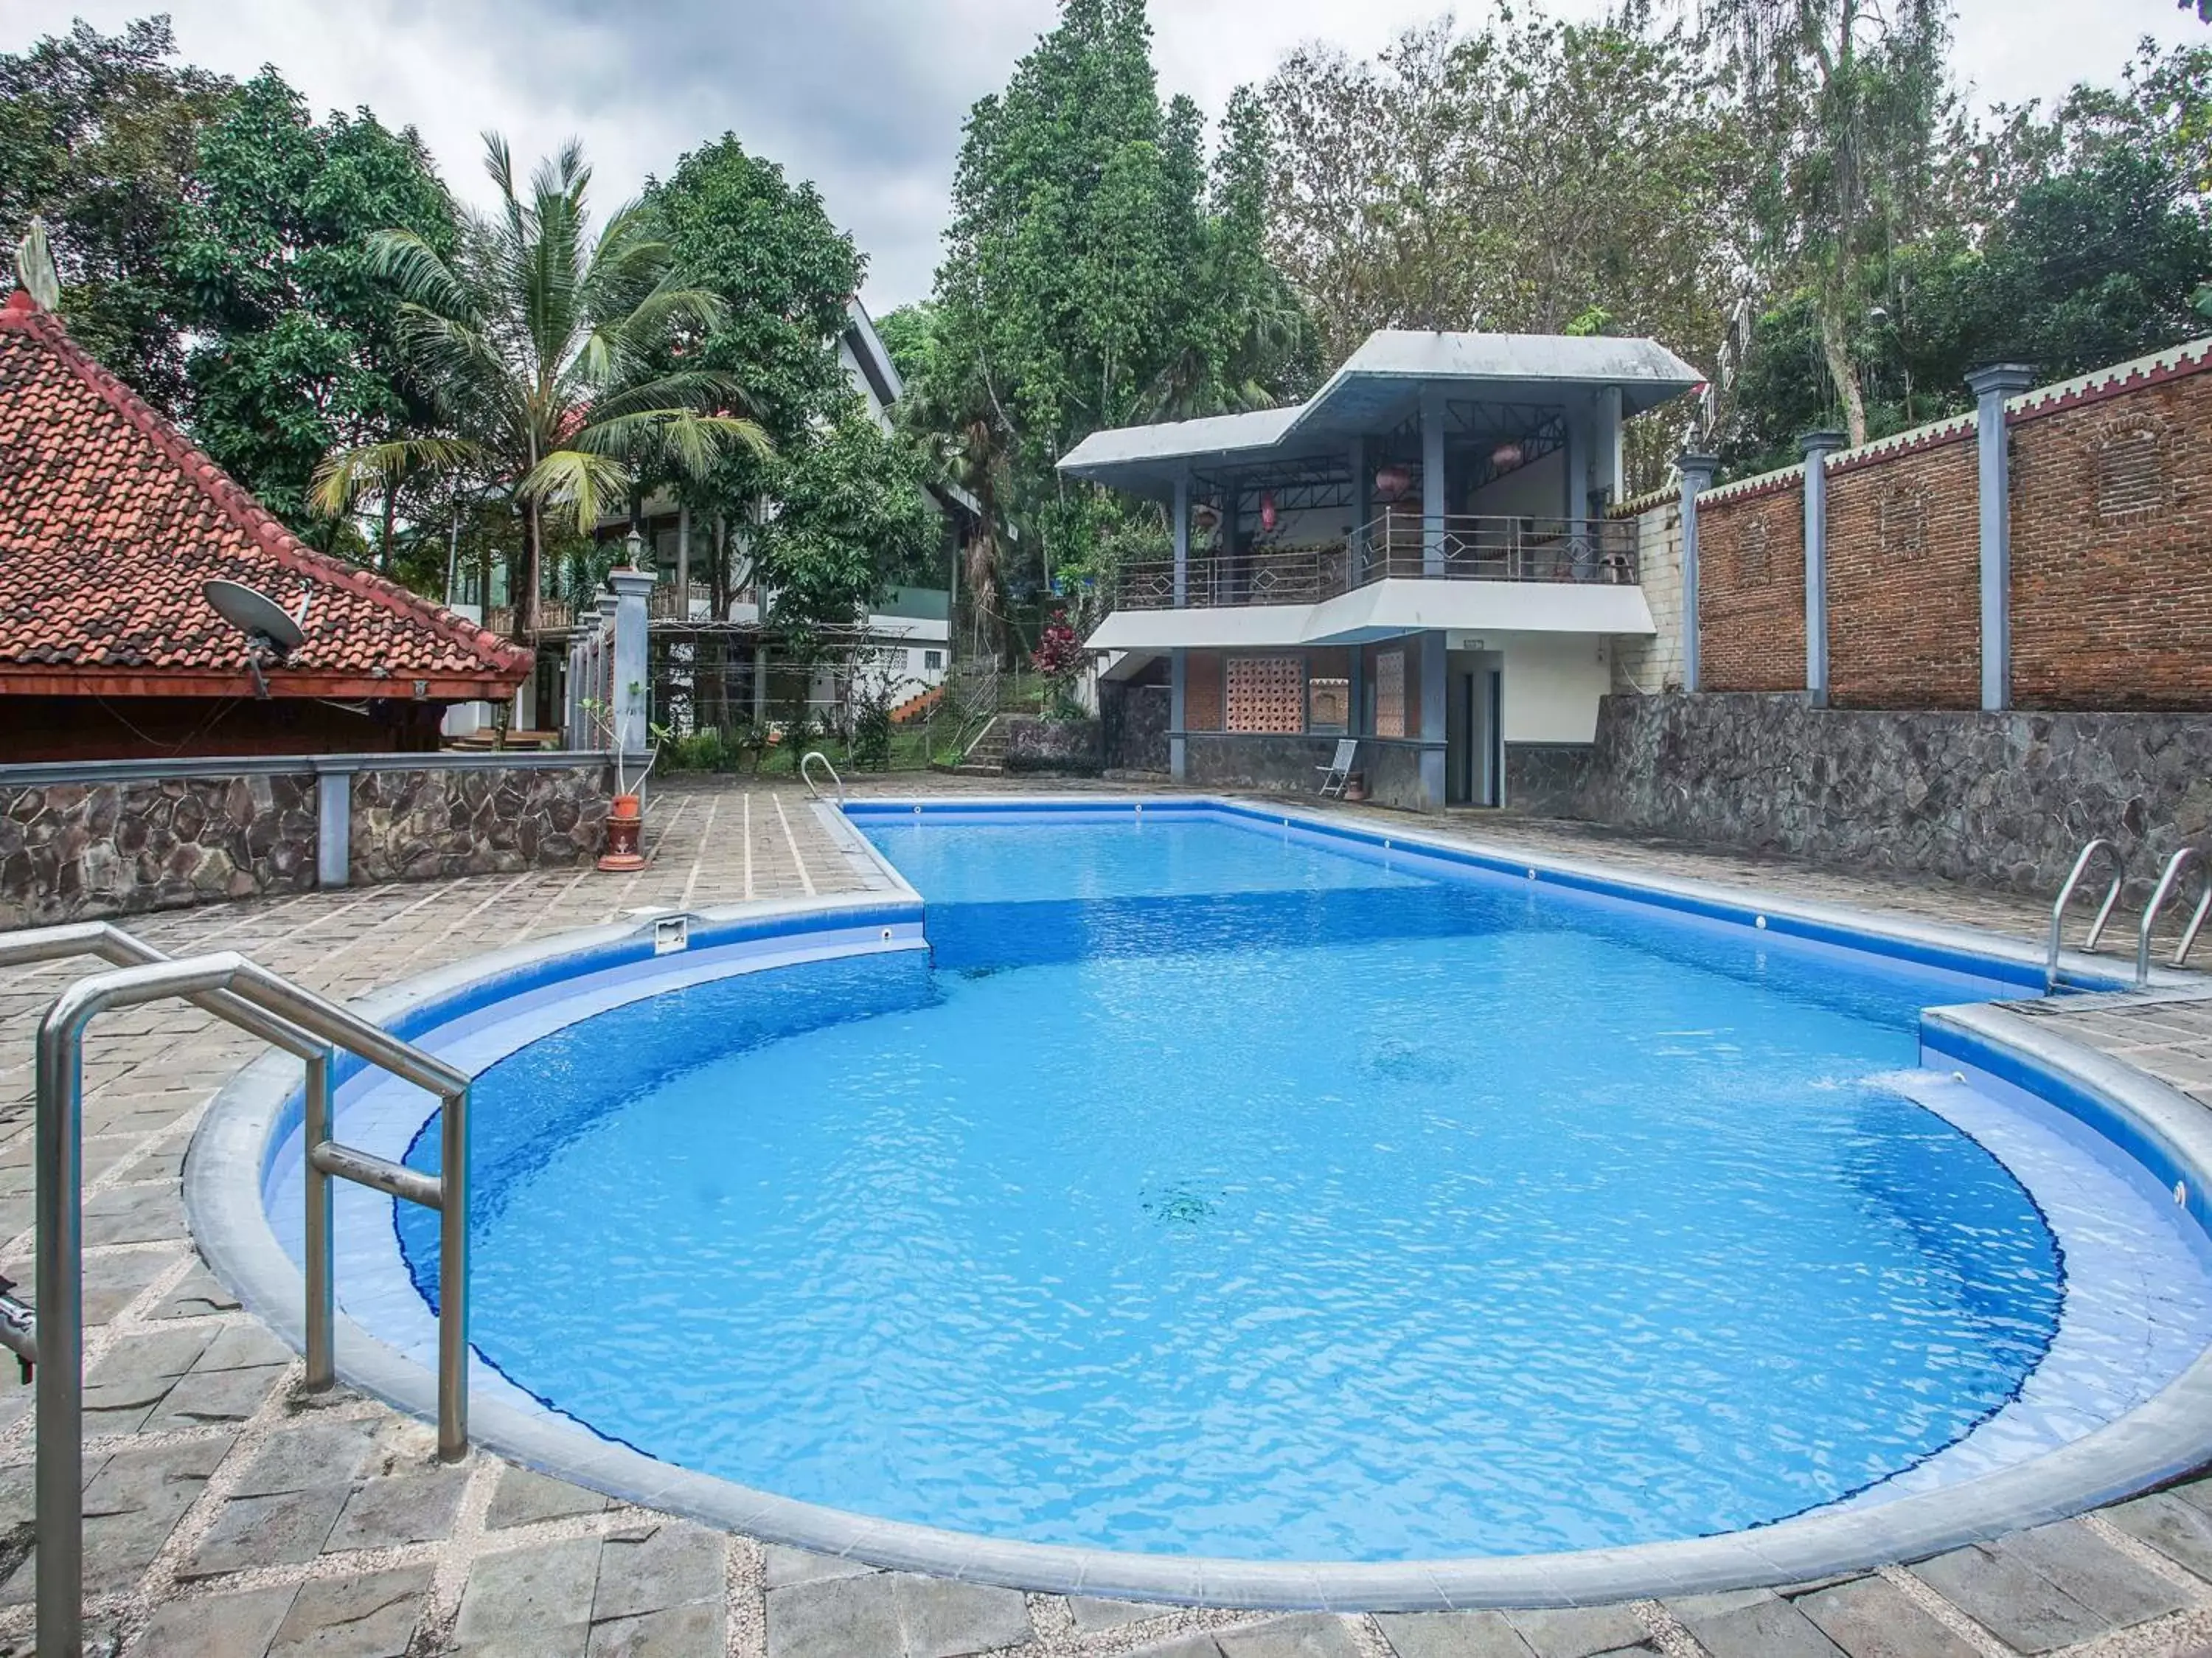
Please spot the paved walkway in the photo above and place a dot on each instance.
(228, 1513)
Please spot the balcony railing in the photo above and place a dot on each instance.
(1395, 545)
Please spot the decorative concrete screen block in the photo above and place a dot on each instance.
(1390, 693)
(1267, 694)
(455, 821)
(74, 851)
(1329, 705)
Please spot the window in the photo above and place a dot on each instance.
(1267, 694)
(932, 661)
(1390, 693)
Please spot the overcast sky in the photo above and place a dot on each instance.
(864, 97)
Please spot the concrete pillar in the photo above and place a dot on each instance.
(1434, 502)
(572, 713)
(1697, 472)
(1355, 715)
(1611, 466)
(760, 682)
(1578, 465)
(1818, 447)
(628, 689)
(683, 561)
(1178, 667)
(1182, 541)
(1232, 579)
(1991, 386)
(1363, 513)
(1433, 690)
(333, 825)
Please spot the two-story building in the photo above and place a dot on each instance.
(1419, 555)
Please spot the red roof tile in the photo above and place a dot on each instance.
(110, 522)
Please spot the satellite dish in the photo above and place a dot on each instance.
(257, 616)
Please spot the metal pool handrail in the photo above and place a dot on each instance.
(2065, 895)
(50, 1334)
(2167, 881)
(807, 777)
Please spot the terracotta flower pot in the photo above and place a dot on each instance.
(624, 822)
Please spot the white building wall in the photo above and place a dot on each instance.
(1538, 490)
(1552, 684)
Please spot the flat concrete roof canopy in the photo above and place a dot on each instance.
(1377, 390)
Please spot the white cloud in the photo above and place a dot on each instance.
(865, 96)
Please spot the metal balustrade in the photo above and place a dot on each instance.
(48, 1335)
(1398, 545)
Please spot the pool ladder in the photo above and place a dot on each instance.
(47, 1335)
(806, 774)
(2169, 881)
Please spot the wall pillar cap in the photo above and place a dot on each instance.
(632, 583)
(1693, 464)
(2006, 377)
(1821, 443)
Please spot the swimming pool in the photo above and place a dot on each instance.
(1225, 1187)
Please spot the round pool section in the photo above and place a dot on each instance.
(1220, 1187)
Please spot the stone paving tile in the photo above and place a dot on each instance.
(1759, 1624)
(546, 1589)
(414, 1508)
(238, 1625)
(2112, 1584)
(1091, 1614)
(673, 1632)
(1872, 1617)
(284, 1530)
(2011, 1598)
(2179, 1530)
(836, 1617)
(1452, 1635)
(941, 1618)
(525, 1496)
(1578, 1632)
(1302, 1635)
(374, 1615)
(651, 1567)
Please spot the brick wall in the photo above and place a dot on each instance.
(2112, 557)
(2112, 549)
(1904, 559)
(1751, 586)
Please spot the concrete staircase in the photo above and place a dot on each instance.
(919, 706)
(987, 755)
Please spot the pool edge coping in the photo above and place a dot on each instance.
(2165, 1436)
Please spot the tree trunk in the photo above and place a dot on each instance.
(1841, 369)
(526, 600)
(384, 547)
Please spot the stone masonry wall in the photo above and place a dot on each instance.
(1067, 747)
(1134, 718)
(413, 824)
(2111, 550)
(1751, 586)
(1999, 800)
(1904, 561)
(79, 851)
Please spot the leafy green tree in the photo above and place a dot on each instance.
(538, 344)
(851, 516)
(298, 349)
(1843, 101)
(910, 334)
(1087, 282)
(98, 135)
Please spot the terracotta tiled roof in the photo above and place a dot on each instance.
(110, 522)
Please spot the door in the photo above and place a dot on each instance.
(1459, 739)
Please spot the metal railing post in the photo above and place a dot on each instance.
(453, 1279)
(322, 1290)
(60, 1405)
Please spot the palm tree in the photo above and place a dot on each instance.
(543, 351)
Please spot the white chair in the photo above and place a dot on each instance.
(1338, 771)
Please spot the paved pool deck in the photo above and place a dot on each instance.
(228, 1512)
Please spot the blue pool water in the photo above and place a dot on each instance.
(1214, 1191)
